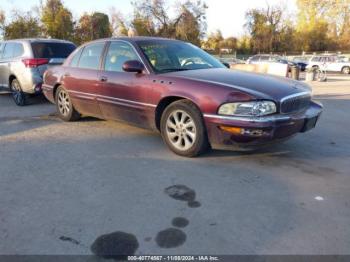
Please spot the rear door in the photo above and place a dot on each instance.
(333, 64)
(82, 78)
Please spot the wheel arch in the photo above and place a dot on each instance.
(57, 85)
(11, 78)
(165, 102)
(346, 66)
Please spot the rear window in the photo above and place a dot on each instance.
(52, 50)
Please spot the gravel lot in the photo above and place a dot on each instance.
(65, 188)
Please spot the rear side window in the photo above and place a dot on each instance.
(18, 49)
(91, 56)
(75, 60)
(264, 58)
(255, 58)
(52, 50)
(8, 51)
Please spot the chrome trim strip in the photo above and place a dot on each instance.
(117, 103)
(301, 94)
(249, 119)
(85, 97)
(113, 98)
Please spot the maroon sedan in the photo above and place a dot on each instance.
(180, 90)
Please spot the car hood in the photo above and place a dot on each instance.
(259, 85)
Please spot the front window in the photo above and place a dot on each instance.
(118, 53)
(170, 56)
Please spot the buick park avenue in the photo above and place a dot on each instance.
(191, 98)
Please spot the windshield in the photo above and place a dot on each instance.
(170, 56)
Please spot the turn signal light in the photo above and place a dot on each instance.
(245, 131)
(231, 129)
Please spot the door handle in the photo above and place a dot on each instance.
(103, 78)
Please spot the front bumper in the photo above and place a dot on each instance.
(252, 132)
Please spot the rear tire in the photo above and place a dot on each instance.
(345, 70)
(64, 106)
(183, 129)
(19, 97)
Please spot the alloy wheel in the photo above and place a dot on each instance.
(181, 130)
(63, 103)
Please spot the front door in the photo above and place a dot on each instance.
(125, 96)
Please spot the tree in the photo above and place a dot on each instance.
(151, 18)
(57, 20)
(2, 22)
(243, 44)
(323, 24)
(118, 24)
(22, 26)
(83, 31)
(190, 24)
(101, 27)
(229, 43)
(214, 42)
(91, 27)
(264, 26)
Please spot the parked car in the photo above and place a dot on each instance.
(332, 63)
(270, 59)
(177, 88)
(24, 61)
(301, 61)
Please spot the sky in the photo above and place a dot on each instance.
(226, 15)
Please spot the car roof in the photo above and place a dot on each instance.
(33, 40)
(135, 39)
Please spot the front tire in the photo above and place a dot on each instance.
(19, 97)
(183, 129)
(64, 105)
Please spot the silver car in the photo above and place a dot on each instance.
(24, 61)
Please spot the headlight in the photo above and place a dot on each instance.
(257, 108)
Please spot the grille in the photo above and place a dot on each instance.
(295, 104)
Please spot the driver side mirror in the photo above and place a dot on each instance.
(134, 66)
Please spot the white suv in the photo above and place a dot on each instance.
(332, 63)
